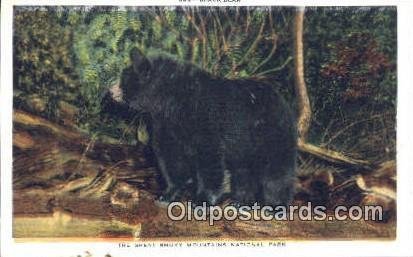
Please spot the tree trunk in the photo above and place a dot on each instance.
(303, 103)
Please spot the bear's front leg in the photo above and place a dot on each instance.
(173, 163)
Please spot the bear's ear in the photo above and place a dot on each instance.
(139, 61)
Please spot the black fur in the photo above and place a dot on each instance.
(207, 131)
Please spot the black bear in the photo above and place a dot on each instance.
(213, 137)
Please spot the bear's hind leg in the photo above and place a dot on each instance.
(244, 186)
(212, 178)
(277, 184)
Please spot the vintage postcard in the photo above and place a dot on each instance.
(142, 129)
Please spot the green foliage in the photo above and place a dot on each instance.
(43, 54)
(100, 55)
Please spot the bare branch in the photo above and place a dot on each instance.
(273, 49)
(254, 45)
(282, 66)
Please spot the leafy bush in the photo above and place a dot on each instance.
(43, 65)
(351, 77)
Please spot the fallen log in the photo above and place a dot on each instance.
(334, 156)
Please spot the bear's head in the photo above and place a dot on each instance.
(134, 80)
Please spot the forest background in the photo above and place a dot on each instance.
(66, 57)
